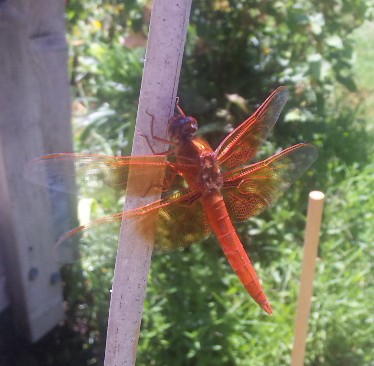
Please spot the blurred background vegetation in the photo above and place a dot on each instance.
(237, 52)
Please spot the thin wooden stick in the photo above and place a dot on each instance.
(312, 231)
(165, 47)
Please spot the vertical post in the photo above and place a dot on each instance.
(34, 120)
(165, 47)
(4, 297)
(312, 231)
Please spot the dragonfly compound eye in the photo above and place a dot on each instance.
(182, 127)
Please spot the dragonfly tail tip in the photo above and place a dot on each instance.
(267, 307)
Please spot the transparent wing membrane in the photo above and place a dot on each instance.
(65, 172)
(241, 145)
(180, 221)
(250, 190)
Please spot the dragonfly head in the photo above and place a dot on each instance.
(182, 128)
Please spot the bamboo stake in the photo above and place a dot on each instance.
(165, 47)
(312, 232)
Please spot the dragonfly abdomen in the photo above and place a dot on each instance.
(233, 249)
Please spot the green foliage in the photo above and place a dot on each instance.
(196, 311)
(105, 74)
(346, 273)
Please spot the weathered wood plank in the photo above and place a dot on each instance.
(34, 120)
(4, 298)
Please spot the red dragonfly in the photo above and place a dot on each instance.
(202, 189)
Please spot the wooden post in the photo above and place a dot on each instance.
(4, 297)
(165, 47)
(312, 231)
(34, 120)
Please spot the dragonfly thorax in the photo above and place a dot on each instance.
(210, 176)
(182, 128)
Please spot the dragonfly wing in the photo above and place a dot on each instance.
(181, 224)
(179, 217)
(250, 190)
(65, 172)
(241, 145)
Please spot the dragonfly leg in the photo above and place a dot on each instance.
(155, 138)
(150, 145)
(180, 110)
